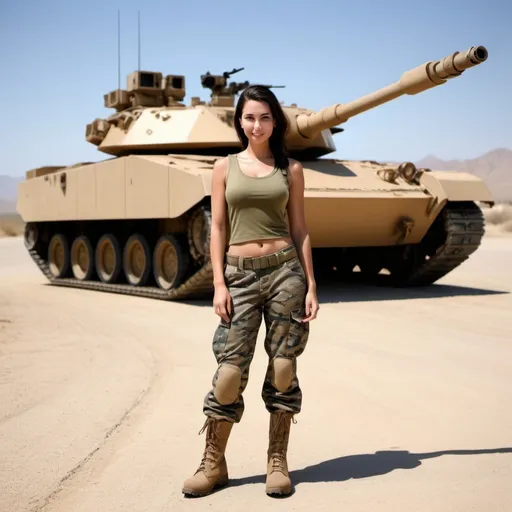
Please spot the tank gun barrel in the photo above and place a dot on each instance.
(414, 81)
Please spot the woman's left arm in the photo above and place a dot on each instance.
(300, 234)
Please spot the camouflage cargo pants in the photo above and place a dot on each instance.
(277, 295)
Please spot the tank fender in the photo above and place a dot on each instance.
(454, 186)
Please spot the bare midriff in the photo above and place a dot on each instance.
(259, 247)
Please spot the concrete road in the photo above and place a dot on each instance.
(407, 398)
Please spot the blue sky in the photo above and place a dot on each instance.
(58, 58)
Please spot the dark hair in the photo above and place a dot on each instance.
(276, 142)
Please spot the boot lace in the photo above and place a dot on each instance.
(277, 462)
(277, 449)
(211, 451)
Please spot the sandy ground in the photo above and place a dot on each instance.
(407, 398)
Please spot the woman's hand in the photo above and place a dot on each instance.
(311, 305)
(222, 302)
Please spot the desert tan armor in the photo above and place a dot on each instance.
(138, 222)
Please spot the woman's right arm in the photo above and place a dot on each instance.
(222, 300)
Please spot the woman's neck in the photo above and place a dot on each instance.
(261, 152)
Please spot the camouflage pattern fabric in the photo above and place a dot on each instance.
(277, 295)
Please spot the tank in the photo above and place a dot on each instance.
(138, 222)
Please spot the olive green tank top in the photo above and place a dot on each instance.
(256, 206)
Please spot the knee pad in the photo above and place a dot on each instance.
(228, 383)
(283, 373)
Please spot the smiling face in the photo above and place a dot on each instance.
(257, 121)
(260, 120)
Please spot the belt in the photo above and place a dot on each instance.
(260, 262)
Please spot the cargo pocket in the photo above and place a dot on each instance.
(298, 333)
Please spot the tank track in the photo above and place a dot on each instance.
(199, 284)
(463, 224)
(464, 227)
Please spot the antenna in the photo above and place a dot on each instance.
(139, 37)
(119, 49)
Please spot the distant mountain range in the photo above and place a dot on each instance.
(494, 167)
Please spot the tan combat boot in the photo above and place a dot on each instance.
(278, 480)
(212, 471)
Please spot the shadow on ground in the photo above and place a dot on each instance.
(364, 466)
(356, 288)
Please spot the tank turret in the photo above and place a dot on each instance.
(150, 116)
(414, 81)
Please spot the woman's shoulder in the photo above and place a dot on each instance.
(294, 165)
(221, 167)
(294, 169)
(221, 164)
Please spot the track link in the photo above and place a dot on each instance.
(197, 285)
(464, 227)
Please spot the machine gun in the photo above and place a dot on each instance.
(223, 94)
(218, 83)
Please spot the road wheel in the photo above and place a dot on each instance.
(170, 262)
(109, 259)
(137, 260)
(58, 256)
(82, 258)
(31, 236)
(199, 227)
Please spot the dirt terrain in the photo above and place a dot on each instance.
(407, 398)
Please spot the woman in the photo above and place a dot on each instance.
(267, 274)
